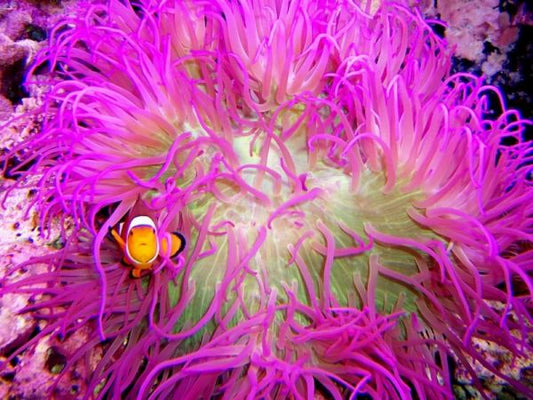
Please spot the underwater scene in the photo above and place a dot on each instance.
(266, 199)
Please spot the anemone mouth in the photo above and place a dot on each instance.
(316, 238)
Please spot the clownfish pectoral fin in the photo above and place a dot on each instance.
(136, 272)
(177, 244)
(114, 234)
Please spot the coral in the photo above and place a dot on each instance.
(490, 38)
(23, 29)
(353, 218)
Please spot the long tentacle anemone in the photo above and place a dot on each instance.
(353, 219)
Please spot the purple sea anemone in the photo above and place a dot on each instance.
(353, 218)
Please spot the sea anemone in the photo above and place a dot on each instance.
(355, 216)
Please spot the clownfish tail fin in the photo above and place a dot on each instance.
(172, 244)
(178, 243)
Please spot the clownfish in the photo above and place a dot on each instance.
(142, 244)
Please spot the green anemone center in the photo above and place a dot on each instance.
(311, 237)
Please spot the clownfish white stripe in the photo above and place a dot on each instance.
(142, 220)
(138, 222)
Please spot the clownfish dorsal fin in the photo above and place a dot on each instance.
(139, 208)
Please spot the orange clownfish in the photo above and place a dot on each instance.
(141, 244)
